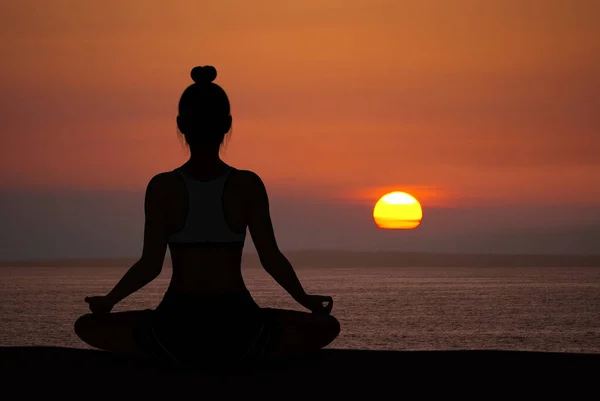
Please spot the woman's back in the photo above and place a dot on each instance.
(206, 217)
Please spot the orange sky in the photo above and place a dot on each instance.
(462, 101)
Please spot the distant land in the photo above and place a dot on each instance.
(334, 258)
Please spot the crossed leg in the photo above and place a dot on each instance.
(302, 331)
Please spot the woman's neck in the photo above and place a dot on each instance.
(205, 162)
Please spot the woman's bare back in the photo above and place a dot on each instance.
(213, 268)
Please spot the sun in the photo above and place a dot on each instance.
(397, 211)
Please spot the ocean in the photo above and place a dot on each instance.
(538, 309)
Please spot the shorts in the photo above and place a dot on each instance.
(215, 331)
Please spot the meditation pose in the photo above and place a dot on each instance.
(202, 211)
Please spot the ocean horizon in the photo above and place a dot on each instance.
(550, 309)
(348, 258)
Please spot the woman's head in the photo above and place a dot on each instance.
(204, 112)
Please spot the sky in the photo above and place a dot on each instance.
(487, 112)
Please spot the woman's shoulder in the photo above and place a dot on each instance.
(248, 179)
(163, 181)
(247, 175)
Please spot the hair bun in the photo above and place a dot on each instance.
(204, 75)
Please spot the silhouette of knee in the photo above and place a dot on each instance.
(333, 327)
(83, 325)
(329, 329)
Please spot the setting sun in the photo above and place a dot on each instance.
(397, 210)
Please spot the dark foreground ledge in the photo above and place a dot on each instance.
(333, 367)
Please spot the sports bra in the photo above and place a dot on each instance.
(205, 221)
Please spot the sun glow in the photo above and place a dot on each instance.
(397, 211)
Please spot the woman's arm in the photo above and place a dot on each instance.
(149, 266)
(274, 262)
(263, 236)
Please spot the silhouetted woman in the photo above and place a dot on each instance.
(201, 211)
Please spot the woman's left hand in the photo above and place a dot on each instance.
(99, 304)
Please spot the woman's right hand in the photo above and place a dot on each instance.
(315, 303)
(100, 304)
